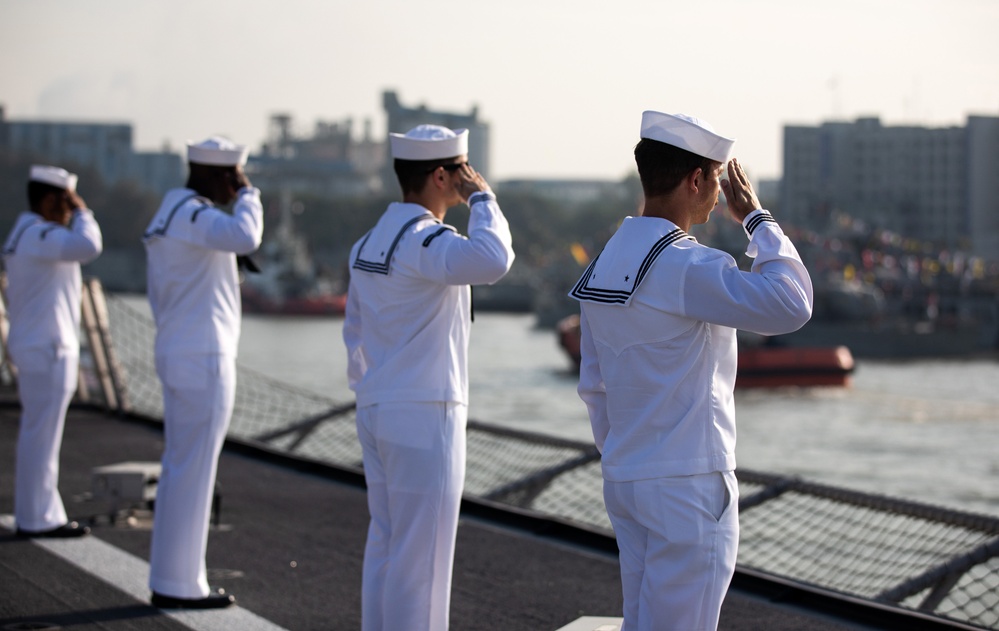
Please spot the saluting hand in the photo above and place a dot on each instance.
(241, 180)
(61, 211)
(72, 200)
(230, 182)
(739, 192)
(470, 182)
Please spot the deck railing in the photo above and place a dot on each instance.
(913, 556)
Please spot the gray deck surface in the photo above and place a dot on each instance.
(290, 548)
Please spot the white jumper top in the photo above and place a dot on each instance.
(408, 311)
(659, 313)
(192, 280)
(43, 276)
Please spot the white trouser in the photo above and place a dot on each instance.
(414, 464)
(198, 396)
(45, 384)
(678, 538)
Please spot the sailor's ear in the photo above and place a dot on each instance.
(694, 180)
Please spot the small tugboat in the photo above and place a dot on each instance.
(288, 282)
(759, 366)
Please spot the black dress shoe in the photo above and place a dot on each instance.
(66, 531)
(216, 600)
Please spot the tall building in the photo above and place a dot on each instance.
(401, 119)
(932, 184)
(106, 147)
(983, 184)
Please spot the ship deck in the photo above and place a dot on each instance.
(289, 545)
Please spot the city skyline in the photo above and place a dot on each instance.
(562, 85)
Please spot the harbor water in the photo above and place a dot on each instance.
(924, 430)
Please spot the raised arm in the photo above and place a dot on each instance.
(775, 297)
(240, 232)
(486, 255)
(80, 241)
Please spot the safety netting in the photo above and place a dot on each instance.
(936, 561)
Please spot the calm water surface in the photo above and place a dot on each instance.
(922, 430)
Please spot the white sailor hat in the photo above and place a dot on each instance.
(687, 132)
(218, 152)
(53, 176)
(429, 142)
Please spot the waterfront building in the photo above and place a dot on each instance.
(105, 147)
(333, 161)
(983, 184)
(935, 184)
(157, 171)
(328, 163)
(572, 191)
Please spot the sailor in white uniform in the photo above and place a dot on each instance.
(42, 256)
(193, 287)
(406, 330)
(659, 312)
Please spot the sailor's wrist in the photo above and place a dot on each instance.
(755, 219)
(481, 196)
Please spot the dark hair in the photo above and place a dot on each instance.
(413, 174)
(662, 167)
(209, 180)
(37, 192)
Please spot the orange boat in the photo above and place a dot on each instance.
(318, 304)
(760, 366)
(776, 366)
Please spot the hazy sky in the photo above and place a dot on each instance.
(562, 83)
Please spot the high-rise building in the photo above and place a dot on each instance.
(932, 184)
(983, 184)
